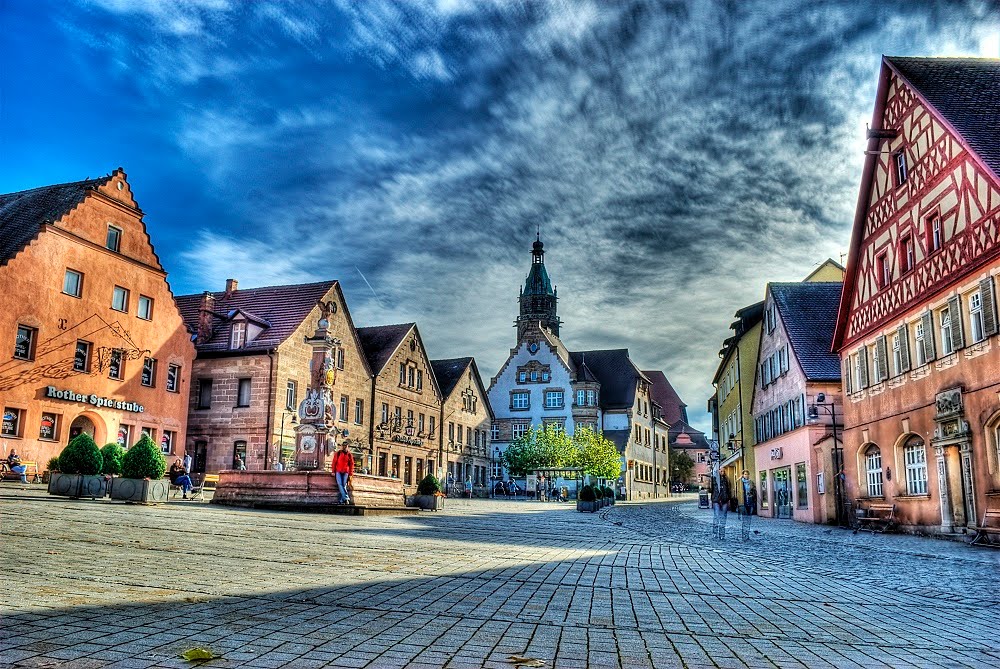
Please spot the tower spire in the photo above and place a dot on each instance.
(537, 299)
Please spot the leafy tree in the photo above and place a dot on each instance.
(143, 461)
(681, 465)
(113, 454)
(540, 448)
(596, 454)
(81, 456)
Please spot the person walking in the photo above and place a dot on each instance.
(746, 497)
(343, 468)
(720, 494)
(188, 461)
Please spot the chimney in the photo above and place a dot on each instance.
(231, 286)
(205, 317)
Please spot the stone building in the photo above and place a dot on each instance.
(466, 421)
(543, 383)
(404, 431)
(252, 370)
(94, 339)
(917, 331)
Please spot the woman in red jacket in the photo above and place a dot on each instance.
(343, 468)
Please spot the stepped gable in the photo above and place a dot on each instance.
(809, 313)
(674, 409)
(23, 213)
(448, 372)
(381, 341)
(616, 374)
(279, 309)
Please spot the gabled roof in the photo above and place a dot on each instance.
(674, 409)
(965, 92)
(809, 314)
(448, 372)
(381, 341)
(584, 375)
(282, 307)
(22, 214)
(616, 372)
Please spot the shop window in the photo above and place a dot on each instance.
(11, 426)
(802, 486)
(124, 435)
(167, 442)
(48, 428)
(149, 373)
(873, 470)
(145, 308)
(915, 459)
(24, 342)
(173, 378)
(149, 432)
(762, 491)
(116, 365)
(73, 283)
(81, 358)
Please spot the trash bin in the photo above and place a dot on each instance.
(703, 500)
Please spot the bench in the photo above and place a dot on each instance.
(198, 483)
(877, 518)
(30, 472)
(988, 532)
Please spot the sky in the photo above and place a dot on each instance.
(676, 155)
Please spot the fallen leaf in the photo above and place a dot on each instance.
(196, 654)
(519, 661)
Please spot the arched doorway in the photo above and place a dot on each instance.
(89, 423)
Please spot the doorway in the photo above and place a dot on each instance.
(783, 492)
(80, 425)
(200, 457)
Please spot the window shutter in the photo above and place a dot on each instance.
(863, 366)
(904, 347)
(989, 306)
(881, 361)
(955, 309)
(848, 387)
(927, 320)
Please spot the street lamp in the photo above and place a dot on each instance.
(836, 453)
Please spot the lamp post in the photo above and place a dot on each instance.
(836, 453)
(281, 445)
(494, 477)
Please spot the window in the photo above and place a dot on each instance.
(430, 429)
(519, 400)
(421, 424)
(554, 399)
(149, 372)
(81, 359)
(343, 408)
(873, 467)
(947, 342)
(73, 283)
(145, 308)
(167, 442)
(763, 490)
(459, 434)
(534, 375)
(897, 355)
(11, 426)
(149, 432)
(522, 377)
(204, 393)
(701, 456)
(48, 429)
(899, 160)
(291, 395)
(884, 270)
(976, 316)
(906, 256)
(420, 379)
(340, 358)
(495, 432)
(918, 343)
(451, 431)
(934, 233)
(114, 240)
(238, 337)
(359, 413)
(518, 430)
(468, 436)
(243, 393)
(24, 342)
(545, 375)
(173, 378)
(402, 373)
(915, 459)
(802, 486)
(119, 299)
(124, 435)
(411, 377)
(239, 454)
(397, 417)
(581, 398)
(591, 398)
(116, 367)
(385, 413)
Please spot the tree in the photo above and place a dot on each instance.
(681, 465)
(596, 454)
(539, 448)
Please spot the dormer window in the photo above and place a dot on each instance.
(239, 335)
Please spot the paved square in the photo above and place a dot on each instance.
(101, 584)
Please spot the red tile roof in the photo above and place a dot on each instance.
(674, 409)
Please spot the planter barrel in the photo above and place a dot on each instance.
(141, 491)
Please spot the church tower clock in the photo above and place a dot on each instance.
(538, 298)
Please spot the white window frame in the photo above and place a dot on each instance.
(976, 317)
(918, 341)
(902, 172)
(897, 355)
(518, 430)
(291, 394)
(554, 399)
(74, 289)
(238, 337)
(873, 471)
(947, 341)
(915, 459)
(173, 384)
(145, 310)
(520, 400)
(119, 299)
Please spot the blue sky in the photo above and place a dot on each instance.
(676, 155)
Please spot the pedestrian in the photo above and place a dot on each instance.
(720, 494)
(343, 468)
(746, 497)
(188, 460)
(468, 487)
(14, 462)
(508, 488)
(179, 477)
(279, 466)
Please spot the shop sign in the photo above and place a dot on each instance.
(412, 441)
(68, 395)
(776, 453)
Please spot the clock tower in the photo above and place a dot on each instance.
(537, 299)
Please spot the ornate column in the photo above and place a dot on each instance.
(315, 436)
(947, 517)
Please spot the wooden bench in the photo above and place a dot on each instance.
(30, 472)
(988, 531)
(878, 518)
(198, 483)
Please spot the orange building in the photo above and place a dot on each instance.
(917, 330)
(90, 337)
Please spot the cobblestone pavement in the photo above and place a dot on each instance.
(100, 584)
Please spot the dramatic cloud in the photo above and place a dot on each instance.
(676, 155)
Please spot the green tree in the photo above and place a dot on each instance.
(596, 454)
(539, 448)
(681, 465)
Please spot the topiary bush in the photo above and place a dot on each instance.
(81, 456)
(53, 464)
(428, 485)
(598, 492)
(113, 454)
(587, 494)
(609, 493)
(143, 461)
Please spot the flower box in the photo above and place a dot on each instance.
(76, 485)
(141, 491)
(427, 502)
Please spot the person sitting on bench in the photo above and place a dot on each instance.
(179, 477)
(14, 462)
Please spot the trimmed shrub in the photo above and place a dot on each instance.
(143, 461)
(113, 454)
(598, 492)
(428, 485)
(609, 493)
(81, 456)
(53, 464)
(587, 494)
